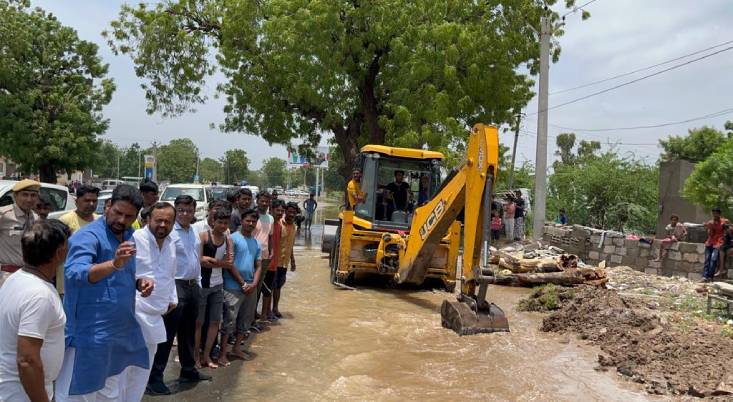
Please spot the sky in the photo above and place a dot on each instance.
(621, 36)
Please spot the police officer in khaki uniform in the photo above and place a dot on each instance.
(14, 220)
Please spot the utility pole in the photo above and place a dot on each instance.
(118, 165)
(540, 178)
(514, 151)
(155, 156)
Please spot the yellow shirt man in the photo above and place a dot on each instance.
(287, 241)
(74, 221)
(356, 196)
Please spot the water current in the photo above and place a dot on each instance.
(388, 345)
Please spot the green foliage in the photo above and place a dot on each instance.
(273, 172)
(711, 183)
(400, 72)
(177, 161)
(131, 161)
(236, 165)
(606, 191)
(53, 87)
(105, 160)
(210, 171)
(695, 147)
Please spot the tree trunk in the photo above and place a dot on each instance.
(47, 173)
(369, 103)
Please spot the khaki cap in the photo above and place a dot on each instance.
(27, 185)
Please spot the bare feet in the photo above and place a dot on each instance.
(211, 364)
(223, 361)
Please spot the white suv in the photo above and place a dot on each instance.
(199, 192)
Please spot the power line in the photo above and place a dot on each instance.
(707, 116)
(640, 69)
(575, 9)
(635, 80)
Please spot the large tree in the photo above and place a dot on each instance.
(52, 90)
(606, 191)
(711, 183)
(236, 165)
(177, 161)
(402, 72)
(210, 170)
(696, 146)
(273, 172)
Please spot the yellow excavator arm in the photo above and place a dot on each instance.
(469, 189)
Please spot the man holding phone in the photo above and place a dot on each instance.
(103, 338)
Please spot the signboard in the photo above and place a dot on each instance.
(320, 160)
(149, 167)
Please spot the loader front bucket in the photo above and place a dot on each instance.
(461, 318)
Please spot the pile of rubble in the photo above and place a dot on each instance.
(533, 264)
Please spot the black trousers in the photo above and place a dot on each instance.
(182, 322)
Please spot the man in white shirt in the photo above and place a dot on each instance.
(32, 317)
(181, 322)
(155, 259)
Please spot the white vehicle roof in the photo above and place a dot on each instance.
(188, 185)
(6, 185)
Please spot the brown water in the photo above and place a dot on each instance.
(388, 345)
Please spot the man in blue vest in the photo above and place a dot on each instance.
(103, 338)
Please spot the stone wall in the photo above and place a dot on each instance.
(683, 259)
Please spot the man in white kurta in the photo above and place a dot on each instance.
(155, 259)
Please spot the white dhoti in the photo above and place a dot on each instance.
(137, 377)
(114, 388)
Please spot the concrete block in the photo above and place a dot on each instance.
(616, 259)
(700, 248)
(655, 264)
(594, 255)
(620, 251)
(641, 262)
(632, 251)
(595, 239)
(644, 252)
(652, 271)
(609, 249)
(629, 261)
(702, 258)
(630, 243)
(674, 246)
(685, 267)
(694, 276)
(690, 257)
(688, 247)
(618, 241)
(674, 255)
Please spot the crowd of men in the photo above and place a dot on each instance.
(132, 281)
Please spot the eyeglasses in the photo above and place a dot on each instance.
(185, 211)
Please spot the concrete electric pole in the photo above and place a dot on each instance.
(514, 151)
(540, 178)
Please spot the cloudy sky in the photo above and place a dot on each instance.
(621, 36)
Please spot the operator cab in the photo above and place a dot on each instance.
(396, 181)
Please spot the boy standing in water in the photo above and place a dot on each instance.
(287, 241)
(277, 207)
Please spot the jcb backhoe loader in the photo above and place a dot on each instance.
(417, 242)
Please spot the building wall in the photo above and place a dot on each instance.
(672, 176)
(592, 246)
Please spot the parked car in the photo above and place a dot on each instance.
(219, 192)
(110, 184)
(61, 200)
(199, 192)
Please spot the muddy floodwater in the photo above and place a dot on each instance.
(388, 345)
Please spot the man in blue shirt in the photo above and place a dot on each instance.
(103, 338)
(240, 286)
(182, 320)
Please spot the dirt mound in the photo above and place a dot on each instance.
(645, 346)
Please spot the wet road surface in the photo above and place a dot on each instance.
(388, 345)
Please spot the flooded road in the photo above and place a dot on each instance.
(388, 345)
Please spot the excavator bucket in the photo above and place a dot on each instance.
(462, 319)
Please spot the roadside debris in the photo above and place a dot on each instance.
(533, 264)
